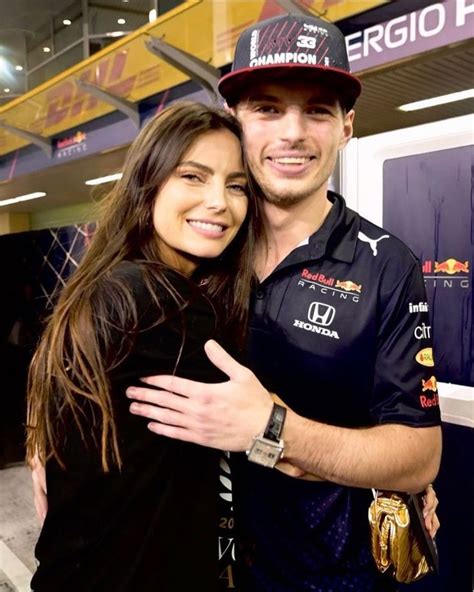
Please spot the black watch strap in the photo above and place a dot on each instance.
(275, 423)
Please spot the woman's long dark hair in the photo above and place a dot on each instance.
(71, 365)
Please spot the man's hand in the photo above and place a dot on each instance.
(226, 415)
(430, 503)
(40, 494)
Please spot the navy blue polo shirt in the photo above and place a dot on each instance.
(340, 331)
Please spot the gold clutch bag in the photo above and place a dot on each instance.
(401, 545)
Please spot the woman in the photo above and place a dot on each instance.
(128, 511)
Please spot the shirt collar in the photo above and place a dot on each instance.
(337, 237)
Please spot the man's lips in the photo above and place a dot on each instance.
(290, 165)
(291, 160)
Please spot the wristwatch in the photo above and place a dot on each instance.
(267, 449)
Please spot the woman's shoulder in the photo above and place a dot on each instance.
(152, 286)
(141, 277)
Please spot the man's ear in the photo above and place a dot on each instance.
(348, 129)
(231, 110)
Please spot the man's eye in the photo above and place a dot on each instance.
(267, 109)
(319, 111)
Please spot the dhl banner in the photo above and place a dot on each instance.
(206, 29)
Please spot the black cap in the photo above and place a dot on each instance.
(304, 44)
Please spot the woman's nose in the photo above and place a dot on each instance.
(216, 198)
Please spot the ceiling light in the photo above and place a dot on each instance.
(46, 49)
(442, 100)
(3, 64)
(116, 34)
(121, 21)
(152, 16)
(105, 179)
(67, 22)
(28, 196)
(19, 68)
(7, 90)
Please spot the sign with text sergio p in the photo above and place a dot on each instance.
(434, 26)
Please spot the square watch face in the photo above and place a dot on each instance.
(265, 453)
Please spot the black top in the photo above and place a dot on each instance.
(152, 526)
(335, 332)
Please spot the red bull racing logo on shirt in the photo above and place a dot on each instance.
(349, 286)
(342, 289)
(431, 399)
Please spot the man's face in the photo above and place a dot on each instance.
(292, 135)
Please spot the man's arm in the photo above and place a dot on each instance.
(229, 415)
(393, 457)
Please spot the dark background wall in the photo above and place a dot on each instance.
(34, 267)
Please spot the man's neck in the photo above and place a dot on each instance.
(286, 228)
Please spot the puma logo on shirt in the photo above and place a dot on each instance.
(372, 241)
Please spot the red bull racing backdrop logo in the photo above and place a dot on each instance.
(446, 274)
(71, 145)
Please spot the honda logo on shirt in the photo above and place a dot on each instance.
(321, 314)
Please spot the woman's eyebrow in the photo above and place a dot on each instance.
(206, 169)
(237, 175)
(198, 165)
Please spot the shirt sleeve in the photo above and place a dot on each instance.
(405, 390)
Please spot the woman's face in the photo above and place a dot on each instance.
(202, 205)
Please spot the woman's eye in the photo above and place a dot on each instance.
(238, 188)
(191, 177)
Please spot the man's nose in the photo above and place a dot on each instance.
(293, 127)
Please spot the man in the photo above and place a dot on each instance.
(331, 333)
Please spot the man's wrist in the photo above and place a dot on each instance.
(267, 447)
